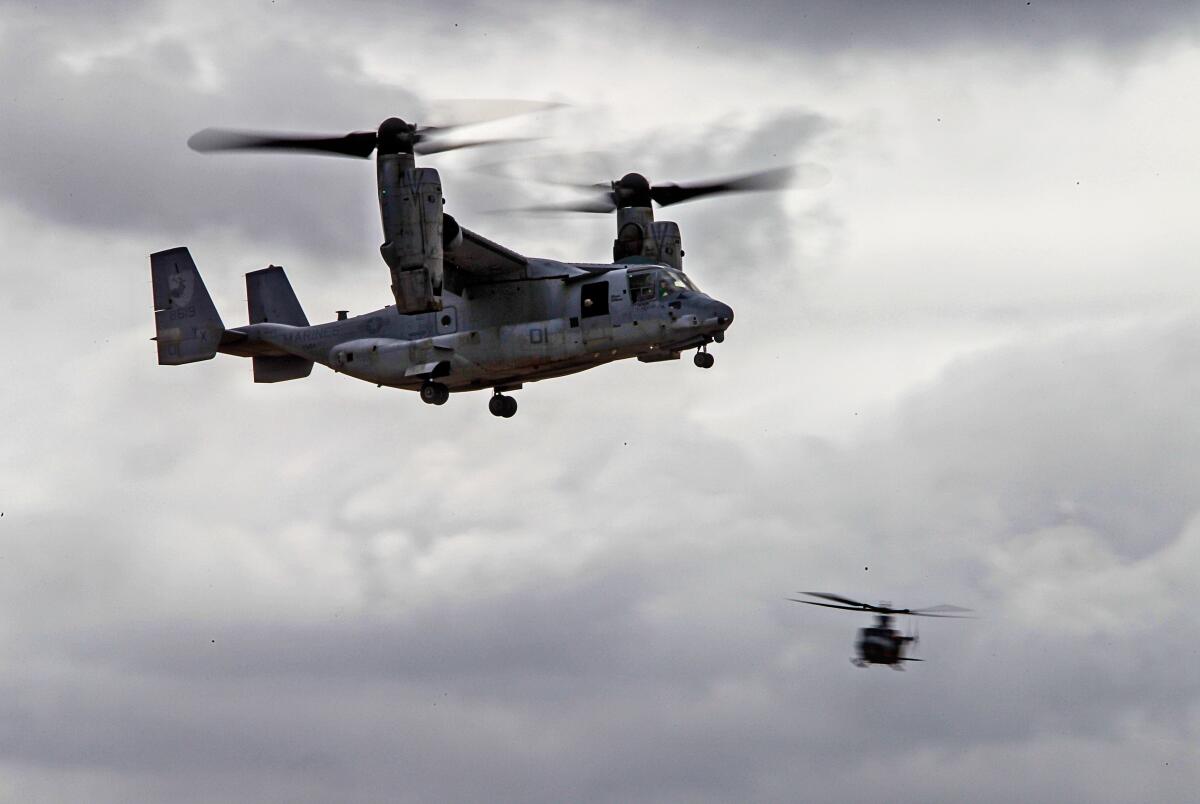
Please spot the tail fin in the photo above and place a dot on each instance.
(270, 299)
(188, 327)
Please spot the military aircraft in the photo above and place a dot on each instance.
(469, 313)
(882, 644)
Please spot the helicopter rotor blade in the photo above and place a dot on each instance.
(358, 144)
(940, 607)
(361, 143)
(941, 611)
(599, 205)
(840, 599)
(462, 112)
(826, 605)
(426, 147)
(634, 190)
(776, 179)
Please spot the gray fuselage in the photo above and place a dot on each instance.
(561, 318)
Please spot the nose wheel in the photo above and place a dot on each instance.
(434, 393)
(501, 405)
(703, 359)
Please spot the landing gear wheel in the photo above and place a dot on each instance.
(434, 393)
(704, 360)
(501, 405)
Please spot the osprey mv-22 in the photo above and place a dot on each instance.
(469, 314)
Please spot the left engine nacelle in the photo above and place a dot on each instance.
(410, 204)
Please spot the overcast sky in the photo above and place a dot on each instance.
(963, 371)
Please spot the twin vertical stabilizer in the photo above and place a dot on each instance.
(271, 300)
(187, 326)
(189, 329)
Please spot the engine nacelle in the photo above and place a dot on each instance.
(639, 235)
(667, 244)
(410, 205)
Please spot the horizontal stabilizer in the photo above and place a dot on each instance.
(281, 369)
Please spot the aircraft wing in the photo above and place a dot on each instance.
(483, 260)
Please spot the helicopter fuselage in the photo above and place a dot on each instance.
(563, 318)
(881, 645)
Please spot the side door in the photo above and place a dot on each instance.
(594, 317)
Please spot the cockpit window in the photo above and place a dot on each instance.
(677, 280)
(646, 286)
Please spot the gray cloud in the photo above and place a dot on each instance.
(828, 26)
(217, 591)
(104, 147)
(611, 640)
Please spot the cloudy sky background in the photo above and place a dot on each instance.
(965, 371)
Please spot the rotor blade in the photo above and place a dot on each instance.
(826, 605)
(425, 148)
(777, 179)
(460, 112)
(941, 607)
(943, 610)
(840, 599)
(599, 205)
(359, 143)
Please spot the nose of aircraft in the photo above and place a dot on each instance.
(724, 314)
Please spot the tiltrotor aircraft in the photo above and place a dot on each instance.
(882, 644)
(469, 314)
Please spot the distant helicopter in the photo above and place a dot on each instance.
(882, 644)
(469, 314)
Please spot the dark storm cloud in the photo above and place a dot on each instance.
(102, 145)
(94, 136)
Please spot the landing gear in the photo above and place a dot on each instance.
(501, 405)
(434, 393)
(703, 359)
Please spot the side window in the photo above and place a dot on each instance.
(594, 299)
(641, 287)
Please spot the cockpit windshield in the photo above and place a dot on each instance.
(678, 280)
(657, 283)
